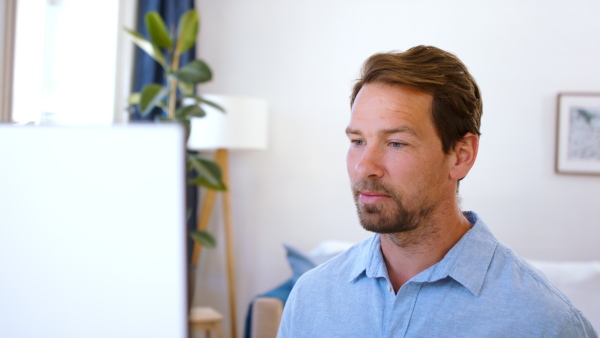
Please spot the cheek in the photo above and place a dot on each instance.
(403, 168)
(408, 175)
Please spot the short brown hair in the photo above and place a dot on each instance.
(456, 106)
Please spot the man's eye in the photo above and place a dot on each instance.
(396, 144)
(358, 142)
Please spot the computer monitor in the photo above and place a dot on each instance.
(92, 231)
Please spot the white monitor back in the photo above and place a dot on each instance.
(92, 232)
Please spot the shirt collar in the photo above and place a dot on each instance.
(467, 262)
(369, 261)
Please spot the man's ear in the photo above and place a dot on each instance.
(463, 156)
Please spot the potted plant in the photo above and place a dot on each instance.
(165, 48)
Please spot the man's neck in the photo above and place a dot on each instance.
(406, 254)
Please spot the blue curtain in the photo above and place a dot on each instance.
(147, 71)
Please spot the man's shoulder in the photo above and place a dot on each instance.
(509, 266)
(520, 294)
(510, 274)
(528, 291)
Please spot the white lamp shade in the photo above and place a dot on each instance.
(242, 126)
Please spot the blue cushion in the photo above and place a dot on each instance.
(299, 262)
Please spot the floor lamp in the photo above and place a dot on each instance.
(243, 126)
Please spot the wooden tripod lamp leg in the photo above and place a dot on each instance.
(222, 160)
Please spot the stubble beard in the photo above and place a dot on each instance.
(387, 218)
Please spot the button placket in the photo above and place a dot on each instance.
(402, 310)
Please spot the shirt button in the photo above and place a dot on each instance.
(389, 288)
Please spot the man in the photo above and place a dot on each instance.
(430, 270)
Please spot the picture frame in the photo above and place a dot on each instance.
(578, 134)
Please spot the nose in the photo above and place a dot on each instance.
(370, 163)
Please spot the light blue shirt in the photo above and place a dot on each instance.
(480, 288)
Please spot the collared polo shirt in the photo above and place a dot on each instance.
(480, 288)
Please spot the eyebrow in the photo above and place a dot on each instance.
(403, 129)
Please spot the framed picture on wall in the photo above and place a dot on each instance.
(578, 134)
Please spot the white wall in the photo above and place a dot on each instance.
(302, 56)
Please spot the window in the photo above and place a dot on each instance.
(69, 62)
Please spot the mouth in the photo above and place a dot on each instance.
(372, 197)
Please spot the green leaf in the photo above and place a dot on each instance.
(187, 89)
(163, 106)
(188, 30)
(212, 104)
(188, 111)
(148, 47)
(194, 72)
(134, 98)
(158, 30)
(209, 173)
(151, 95)
(187, 126)
(204, 238)
(203, 182)
(199, 99)
(205, 167)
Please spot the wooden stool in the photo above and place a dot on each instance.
(206, 318)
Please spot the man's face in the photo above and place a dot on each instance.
(397, 168)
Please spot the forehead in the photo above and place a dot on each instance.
(384, 105)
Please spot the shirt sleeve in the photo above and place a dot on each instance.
(287, 317)
(577, 326)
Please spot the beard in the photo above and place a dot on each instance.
(391, 216)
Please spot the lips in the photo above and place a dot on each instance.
(372, 197)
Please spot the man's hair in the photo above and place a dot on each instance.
(456, 105)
